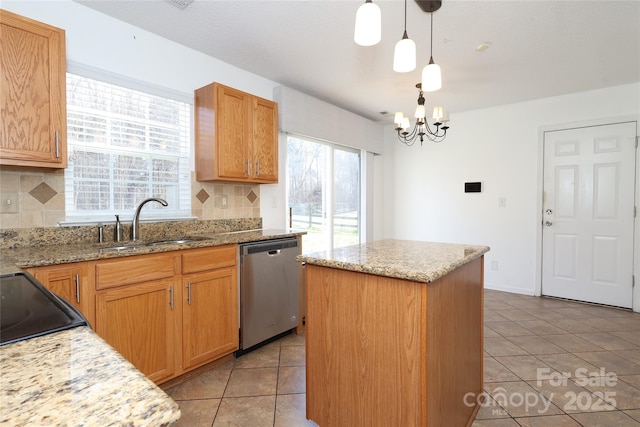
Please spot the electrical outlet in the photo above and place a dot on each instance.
(9, 202)
(222, 201)
(494, 265)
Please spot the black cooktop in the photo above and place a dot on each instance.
(28, 309)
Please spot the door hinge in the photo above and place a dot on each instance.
(633, 281)
(637, 139)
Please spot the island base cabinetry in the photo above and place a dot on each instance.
(383, 351)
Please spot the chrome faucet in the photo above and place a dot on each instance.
(136, 216)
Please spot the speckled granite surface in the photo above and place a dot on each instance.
(401, 259)
(73, 378)
(52, 236)
(13, 260)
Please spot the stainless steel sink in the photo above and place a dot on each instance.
(120, 248)
(123, 248)
(176, 241)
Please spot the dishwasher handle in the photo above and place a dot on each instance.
(270, 246)
(274, 252)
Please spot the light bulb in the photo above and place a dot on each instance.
(368, 24)
(404, 56)
(420, 112)
(438, 113)
(398, 118)
(431, 77)
(405, 123)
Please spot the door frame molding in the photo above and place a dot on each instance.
(539, 202)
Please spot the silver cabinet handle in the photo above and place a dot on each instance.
(258, 167)
(78, 288)
(171, 297)
(248, 167)
(189, 293)
(548, 223)
(57, 145)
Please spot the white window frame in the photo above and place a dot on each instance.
(184, 212)
(328, 195)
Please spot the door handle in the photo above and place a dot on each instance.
(548, 223)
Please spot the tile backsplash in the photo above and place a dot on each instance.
(40, 198)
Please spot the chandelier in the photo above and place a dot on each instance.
(367, 33)
(422, 128)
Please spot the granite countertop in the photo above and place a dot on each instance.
(15, 259)
(401, 259)
(73, 378)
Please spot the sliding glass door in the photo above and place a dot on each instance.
(323, 193)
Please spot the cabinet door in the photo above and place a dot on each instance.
(32, 93)
(139, 321)
(265, 141)
(232, 133)
(210, 316)
(72, 282)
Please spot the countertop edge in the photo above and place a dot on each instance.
(426, 275)
(17, 259)
(73, 376)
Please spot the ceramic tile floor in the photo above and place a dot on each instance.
(547, 363)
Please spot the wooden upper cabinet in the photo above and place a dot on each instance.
(33, 129)
(265, 140)
(236, 136)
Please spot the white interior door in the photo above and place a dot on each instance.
(588, 213)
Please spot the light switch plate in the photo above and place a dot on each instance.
(9, 202)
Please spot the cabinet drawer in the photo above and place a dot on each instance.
(197, 260)
(136, 269)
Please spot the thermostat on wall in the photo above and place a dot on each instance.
(472, 187)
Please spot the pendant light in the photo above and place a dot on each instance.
(431, 74)
(368, 30)
(404, 56)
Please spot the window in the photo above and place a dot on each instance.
(124, 146)
(323, 192)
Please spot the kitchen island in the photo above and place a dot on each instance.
(394, 334)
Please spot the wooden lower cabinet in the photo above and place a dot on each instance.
(182, 314)
(209, 316)
(140, 322)
(167, 313)
(73, 282)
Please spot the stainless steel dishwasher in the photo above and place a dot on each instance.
(269, 290)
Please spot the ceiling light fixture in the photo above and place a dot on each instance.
(422, 128)
(180, 4)
(404, 55)
(431, 74)
(368, 30)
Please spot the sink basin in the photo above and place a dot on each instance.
(133, 247)
(176, 241)
(120, 248)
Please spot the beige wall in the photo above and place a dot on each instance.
(41, 199)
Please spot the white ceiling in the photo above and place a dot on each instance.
(538, 48)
